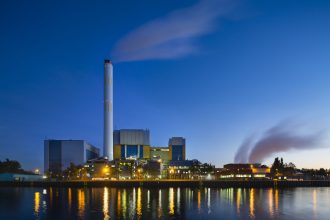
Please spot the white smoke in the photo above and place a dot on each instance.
(171, 36)
(280, 138)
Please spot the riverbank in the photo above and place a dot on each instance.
(172, 183)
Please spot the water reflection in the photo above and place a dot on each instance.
(124, 205)
(106, 203)
(199, 200)
(36, 203)
(178, 200)
(209, 200)
(171, 201)
(139, 202)
(81, 203)
(69, 198)
(159, 209)
(238, 200)
(252, 203)
(166, 203)
(148, 199)
(119, 202)
(315, 203)
(270, 203)
(276, 200)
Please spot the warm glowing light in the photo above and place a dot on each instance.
(119, 202)
(106, 170)
(139, 203)
(252, 203)
(106, 203)
(124, 202)
(199, 200)
(270, 202)
(238, 200)
(36, 202)
(276, 200)
(171, 200)
(69, 198)
(81, 203)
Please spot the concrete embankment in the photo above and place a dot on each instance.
(171, 183)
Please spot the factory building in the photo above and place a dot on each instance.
(160, 153)
(244, 171)
(58, 154)
(131, 144)
(177, 148)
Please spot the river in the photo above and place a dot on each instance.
(165, 203)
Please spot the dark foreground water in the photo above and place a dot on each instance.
(170, 203)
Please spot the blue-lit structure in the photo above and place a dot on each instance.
(177, 146)
(58, 154)
(131, 144)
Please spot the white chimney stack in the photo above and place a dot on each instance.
(108, 111)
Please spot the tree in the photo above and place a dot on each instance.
(73, 172)
(277, 167)
(322, 172)
(10, 166)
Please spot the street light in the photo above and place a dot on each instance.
(106, 170)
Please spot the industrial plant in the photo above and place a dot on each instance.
(128, 154)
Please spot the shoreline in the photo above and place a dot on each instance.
(172, 183)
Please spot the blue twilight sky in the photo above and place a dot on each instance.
(260, 63)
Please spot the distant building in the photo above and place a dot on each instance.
(100, 168)
(180, 169)
(152, 169)
(125, 169)
(131, 144)
(244, 171)
(190, 169)
(58, 154)
(177, 148)
(20, 177)
(162, 153)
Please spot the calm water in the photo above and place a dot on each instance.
(171, 203)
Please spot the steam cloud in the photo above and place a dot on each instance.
(280, 138)
(242, 155)
(171, 36)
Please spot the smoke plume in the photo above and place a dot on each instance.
(171, 36)
(280, 138)
(242, 154)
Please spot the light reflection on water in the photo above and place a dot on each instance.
(171, 201)
(186, 203)
(81, 203)
(36, 203)
(106, 203)
(252, 203)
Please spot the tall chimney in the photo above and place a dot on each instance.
(108, 111)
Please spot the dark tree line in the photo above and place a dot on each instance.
(11, 166)
(279, 168)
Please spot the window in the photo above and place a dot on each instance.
(132, 151)
(177, 152)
